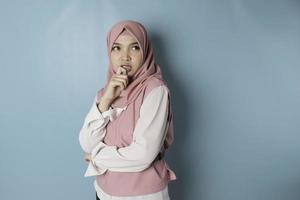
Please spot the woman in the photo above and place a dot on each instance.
(130, 123)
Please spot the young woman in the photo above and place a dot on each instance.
(130, 124)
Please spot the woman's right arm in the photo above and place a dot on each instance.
(94, 126)
(93, 129)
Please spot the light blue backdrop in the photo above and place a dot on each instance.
(233, 68)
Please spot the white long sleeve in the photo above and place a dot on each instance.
(94, 126)
(148, 137)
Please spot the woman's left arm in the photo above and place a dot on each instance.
(148, 138)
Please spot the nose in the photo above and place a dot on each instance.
(125, 56)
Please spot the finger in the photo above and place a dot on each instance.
(120, 75)
(125, 77)
(125, 81)
(121, 70)
(118, 83)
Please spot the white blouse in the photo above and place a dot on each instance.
(148, 137)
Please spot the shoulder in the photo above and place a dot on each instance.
(156, 99)
(156, 86)
(158, 95)
(160, 90)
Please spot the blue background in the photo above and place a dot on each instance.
(233, 68)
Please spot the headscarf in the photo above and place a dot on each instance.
(145, 72)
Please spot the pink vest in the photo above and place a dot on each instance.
(150, 180)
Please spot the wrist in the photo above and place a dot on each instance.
(104, 104)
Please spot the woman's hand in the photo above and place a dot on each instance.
(117, 83)
(87, 158)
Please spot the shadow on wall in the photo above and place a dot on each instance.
(178, 161)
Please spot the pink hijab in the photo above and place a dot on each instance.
(145, 75)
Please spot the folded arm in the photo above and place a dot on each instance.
(148, 138)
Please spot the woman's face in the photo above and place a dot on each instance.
(126, 52)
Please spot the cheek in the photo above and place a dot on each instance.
(138, 59)
(114, 59)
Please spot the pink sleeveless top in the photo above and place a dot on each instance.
(120, 134)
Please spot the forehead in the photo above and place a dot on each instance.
(125, 40)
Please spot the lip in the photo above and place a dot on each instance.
(127, 67)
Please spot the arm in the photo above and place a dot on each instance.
(93, 129)
(148, 137)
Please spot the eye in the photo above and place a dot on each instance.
(136, 47)
(115, 48)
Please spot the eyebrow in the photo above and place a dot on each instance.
(115, 43)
